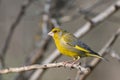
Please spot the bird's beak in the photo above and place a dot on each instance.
(50, 33)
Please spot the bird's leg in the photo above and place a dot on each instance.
(72, 62)
(76, 60)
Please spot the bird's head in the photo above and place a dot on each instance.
(56, 32)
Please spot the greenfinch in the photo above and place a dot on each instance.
(70, 45)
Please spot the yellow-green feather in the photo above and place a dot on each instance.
(81, 49)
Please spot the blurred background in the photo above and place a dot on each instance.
(28, 34)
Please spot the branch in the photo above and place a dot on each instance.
(79, 33)
(45, 66)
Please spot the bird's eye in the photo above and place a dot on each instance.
(54, 31)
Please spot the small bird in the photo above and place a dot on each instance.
(70, 45)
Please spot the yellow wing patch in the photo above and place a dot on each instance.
(81, 49)
(93, 55)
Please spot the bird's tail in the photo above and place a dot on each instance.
(96, 55)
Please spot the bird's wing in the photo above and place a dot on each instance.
(76, 43)
(73, 41)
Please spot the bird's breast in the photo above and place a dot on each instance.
(67, 49)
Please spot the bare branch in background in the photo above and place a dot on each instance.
(88, 10)
(79, 33)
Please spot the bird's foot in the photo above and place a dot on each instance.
(75, 62)
(71, 63)
(66, 62)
